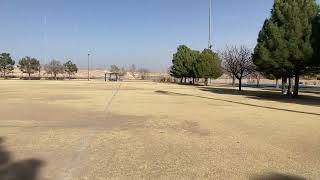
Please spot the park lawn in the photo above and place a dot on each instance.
(121, 130)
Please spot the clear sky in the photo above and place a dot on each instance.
(123, 32)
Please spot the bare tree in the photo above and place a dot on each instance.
(257, 76)
(143, 73)
(132, 69)
(237, 61)
(122, 71)
(114, 69)
(54, 67)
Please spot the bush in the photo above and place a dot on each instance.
(9, 77)
(165, 79)
(57, 78)
(31, 78)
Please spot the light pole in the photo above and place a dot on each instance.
(88, 65)
(210, 6)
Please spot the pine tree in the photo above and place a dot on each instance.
(70, 68)
(183, 61)
(6, 63)
(271, 55)
(285, 42)
(29, 65)
(316, 44)
(208, 65)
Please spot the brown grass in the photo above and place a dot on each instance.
(144, 130)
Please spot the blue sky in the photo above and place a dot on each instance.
(123, 32)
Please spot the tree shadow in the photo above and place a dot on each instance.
(276, 176)
(17, 170)
(269, 95)
(235, 102)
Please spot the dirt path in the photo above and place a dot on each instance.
(73, 168)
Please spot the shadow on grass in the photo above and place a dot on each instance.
(235, 102)
(277, 176)
(270, 95)
(17, 170)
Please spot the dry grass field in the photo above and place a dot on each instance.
(63, 130)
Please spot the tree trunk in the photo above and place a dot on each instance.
(240, 84)
(258, 82)
(55, 76)
(277, 83)
(206, 81)
(233, 81)
(292, 85)
(193, 80)
(185, 80)
(29, 76)
(296, 85)
(181, 80)
(289, 87)
(284, 83)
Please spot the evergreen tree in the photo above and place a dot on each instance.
(6, 63)
(285, 42)
(208, 65)
(29, 65)
(316, 44)
(70, 68)
(183, 63)
(270, 55)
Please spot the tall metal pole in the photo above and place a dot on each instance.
(210, 6)
(88, 65)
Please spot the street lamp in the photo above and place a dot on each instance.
(88, 65)
(210, 43)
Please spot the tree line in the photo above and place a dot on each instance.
(234, 61)
(132, 70)
(29, 66)
(288, 47)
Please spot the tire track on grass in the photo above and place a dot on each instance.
(72, 170)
